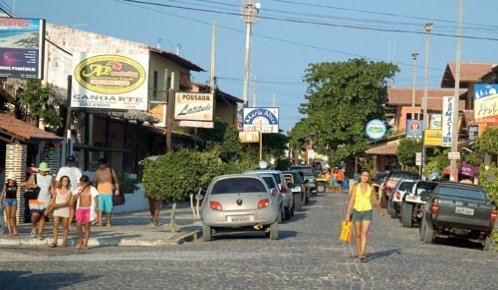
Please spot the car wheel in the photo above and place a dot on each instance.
(406, 215)
(383, 201)
(428, 233)
(280, 218)
(489, 243)
(206, 233)
(321, 187)
(274, 231)
(390, 210)
(298, 199)
(287, 213)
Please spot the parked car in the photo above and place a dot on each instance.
(274, 190)
(459, 210)
(391, 180)
(297, 186)
(411, 207)
(288, 196)
(309, 175)
(403, 187)
(378, 180)
(239, 202)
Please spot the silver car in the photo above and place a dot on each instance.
(274, 190)
(287, 194)
(239, 202)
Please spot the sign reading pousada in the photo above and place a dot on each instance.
(194, 106)
(110, 81)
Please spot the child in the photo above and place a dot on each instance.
(8, 199)
(86, 198)
(60, 205)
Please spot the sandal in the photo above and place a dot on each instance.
(41, 238)
(53, 245)
(33, 234)
(79, 245)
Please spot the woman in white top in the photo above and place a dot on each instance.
(45, 182)
(60, 205)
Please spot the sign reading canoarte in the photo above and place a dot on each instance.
(110, 81)
(21, 48)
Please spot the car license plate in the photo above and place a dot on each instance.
(240, 218)
(464, 210)
(296, 189)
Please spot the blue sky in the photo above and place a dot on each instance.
(282, 50)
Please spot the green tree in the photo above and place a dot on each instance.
(297, 137)
(341, 98)
(488, 141)
(407, 149)
(40, 102)
(436, 161)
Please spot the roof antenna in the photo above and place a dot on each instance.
(178, 47)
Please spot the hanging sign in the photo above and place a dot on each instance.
(448, 104)
(376, 129)
(486, 103)
(264, 120)
(194, 106)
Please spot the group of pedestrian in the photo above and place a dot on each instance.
(336, 178)
(66, 198)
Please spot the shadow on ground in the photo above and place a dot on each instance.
(29, 280)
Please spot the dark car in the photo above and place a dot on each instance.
(391, 181)
(461, 211)
(308, 175)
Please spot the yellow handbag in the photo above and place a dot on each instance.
(346, 232)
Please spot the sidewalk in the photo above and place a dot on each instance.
(128, 229)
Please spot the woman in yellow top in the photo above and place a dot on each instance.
(360, 210)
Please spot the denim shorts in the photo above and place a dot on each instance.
(359, 216)
(10, 202)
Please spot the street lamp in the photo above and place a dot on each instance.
(414, 58)
(428, 28)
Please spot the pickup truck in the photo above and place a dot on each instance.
(459, 210)
(414, 201)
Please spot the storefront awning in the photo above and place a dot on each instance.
(12, 129)
(386, 148)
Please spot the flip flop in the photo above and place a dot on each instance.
(33, 234)
(53, 245)
(41, 238)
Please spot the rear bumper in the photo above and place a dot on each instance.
(221, 218)
(462, 223)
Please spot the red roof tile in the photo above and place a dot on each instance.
(470, 72)
(24, 131)
(403, 96)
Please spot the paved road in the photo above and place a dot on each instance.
(308, 256)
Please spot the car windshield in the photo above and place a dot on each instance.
(305, 170)
(238, 185)
(269, 181)
(463, 192)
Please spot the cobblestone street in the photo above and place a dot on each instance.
(308, 256)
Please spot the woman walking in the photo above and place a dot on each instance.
(8, 199)
(360, 211)
(60, 205)
(86, 199)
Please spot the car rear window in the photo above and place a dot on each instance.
(305, 171)
(277, 178)
(424, 190)
(238, 185)
(270, 181)
(462, 192)
(406, 186)
(297, 178)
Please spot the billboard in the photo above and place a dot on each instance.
(264, 120)
(447, 124)
(414, 128)
(110, 81)
(194, 107)
(486, 103)
(432, 137)
(21, 48)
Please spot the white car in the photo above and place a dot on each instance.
(402, 187)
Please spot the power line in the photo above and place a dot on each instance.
(312, 22)
(5, 11)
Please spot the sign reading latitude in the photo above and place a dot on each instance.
(194, 106)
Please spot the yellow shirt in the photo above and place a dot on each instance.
(362, 201)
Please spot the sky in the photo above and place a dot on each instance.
(289, 35)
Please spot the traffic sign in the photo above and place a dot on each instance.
(453, 155)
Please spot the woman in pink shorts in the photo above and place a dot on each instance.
(86, 199)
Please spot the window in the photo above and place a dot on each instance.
(154, 85)
(238, 185)
(463, 192)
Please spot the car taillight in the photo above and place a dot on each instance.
(398, 195)
(215, 205)
(263, 203)
(435, 208)
(492, 218)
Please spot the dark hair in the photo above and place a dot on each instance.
(85, 179)
(68, 182)
(364, 170)
(102, 161)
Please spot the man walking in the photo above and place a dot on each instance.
(107, 184)
(74, 174)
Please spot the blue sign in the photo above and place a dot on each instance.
(414, 128)
(264, 120)
(376, 129)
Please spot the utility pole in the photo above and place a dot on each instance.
(455, 128)
(248, 9)
(414, 82)
(169, 114)
(212, 81)
(428, 28)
